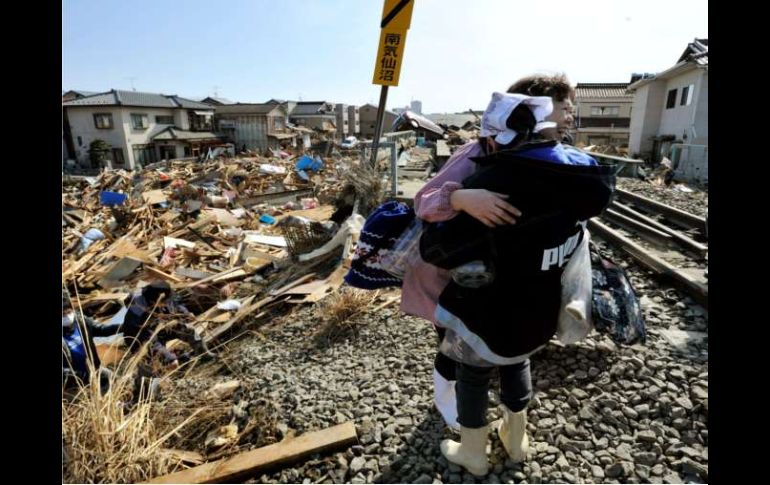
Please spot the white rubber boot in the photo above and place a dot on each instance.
(471, 452)
(513, 434)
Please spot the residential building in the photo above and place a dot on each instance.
(254, 126)
(354, 120)
(216, 101)
(368, 117)
(671, 106)
(602, 114)
(316, 115)
(141, 128)
(343, 126)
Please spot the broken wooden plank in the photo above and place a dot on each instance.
(158, 273)
(173, 242)
(153, 197)
(331, 283)
(297, 282)
(192, 273)
(213, 277)
(122, 269)
(278, 241)
(91, 252)
(104, 297)
(183, 456)
(255, 462)
(239, 315)
(255, 253)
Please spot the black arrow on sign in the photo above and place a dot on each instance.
(392, 14)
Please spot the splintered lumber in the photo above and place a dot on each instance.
(217, 277)
(245, 311)
(255, 462)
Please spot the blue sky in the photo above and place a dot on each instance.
(457, 51)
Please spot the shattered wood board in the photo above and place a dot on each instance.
(168, 216)
(254, 462)
(126, 248)
(172, 242)
(153, 197)
(224, 217)
(278, 241)
(330, 284)
(122, 269)
(110, 353)
(103, 297)
(158, 273)
(319, 214)
(192, 273)
(255, 253)
(306, 289)
(238, 273)
(189, 457)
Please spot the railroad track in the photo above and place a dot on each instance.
(668, 241)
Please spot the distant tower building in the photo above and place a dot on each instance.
(417, 107)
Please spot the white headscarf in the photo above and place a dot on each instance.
(500, 108)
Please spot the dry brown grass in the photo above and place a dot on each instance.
(337, 312)
(106, 440)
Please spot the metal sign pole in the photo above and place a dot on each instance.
(378, 124)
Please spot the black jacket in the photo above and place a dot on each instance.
(518, 311)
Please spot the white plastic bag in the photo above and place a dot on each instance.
(575, 322)
(405, 252)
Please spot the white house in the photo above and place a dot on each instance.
(672, 106)
(141, 128)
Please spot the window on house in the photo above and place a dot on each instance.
(671, 101)
(686, 95)
(103, 121)
(143, 154)
(117, 156)
(164, 120)
(139, 121)
(605, 110)
(80, 141)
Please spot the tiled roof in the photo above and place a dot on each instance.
(134, 98)
(602, 90)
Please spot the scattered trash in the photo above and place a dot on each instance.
(229, 305)
(308, 163)
(113, 198)
(91, 236)
(272, 169)
(267, 219)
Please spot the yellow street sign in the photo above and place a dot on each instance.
(397, 14)
(390, 56)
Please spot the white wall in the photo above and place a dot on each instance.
(181, 119)
(645, 116)
(250, 131)
(82, 125)
(143, 136)
(678, 120)
(701, 112)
